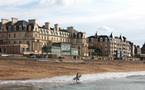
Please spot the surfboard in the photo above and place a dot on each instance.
(77, 78)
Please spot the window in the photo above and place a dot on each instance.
(3, 29)
(92, 40)
(24, 28)
(101, 39)
(78, 47)
(25, 34)
(15, 42)
(23, 49)
(20, 27)
(46, 32)
(3, 35)
(14, 28)
(9, 28)
(19, 42)
(27, 49)
(14, 35)
(9, 35)
(28, 42)
(29, 28)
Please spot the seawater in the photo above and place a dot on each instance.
(102, 81)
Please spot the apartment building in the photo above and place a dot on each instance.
(143, 49)
(110, 46)
(27, 37)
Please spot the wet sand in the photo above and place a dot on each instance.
(25, 69)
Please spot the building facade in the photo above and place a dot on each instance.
(29, 38)
(143, 49)
(110, 46)
(137, 50)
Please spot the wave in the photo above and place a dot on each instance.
(64, 80)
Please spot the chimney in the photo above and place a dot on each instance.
(70, 29)
(47, 25)
(14, 20)
(57, 27)
(32, 21)
(4, 21)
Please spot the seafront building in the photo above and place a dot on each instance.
(137, 50)
(109, 46)
(143, 49)
(27, 37)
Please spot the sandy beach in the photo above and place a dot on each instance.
(31, 69)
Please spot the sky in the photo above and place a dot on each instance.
(120, 17)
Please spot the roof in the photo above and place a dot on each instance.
(22, 22)
(18, 23)
(103, 36)
(63, 30)
(91, 37)
(111, 35)
(143, 45)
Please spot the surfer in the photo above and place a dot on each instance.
(77, 77)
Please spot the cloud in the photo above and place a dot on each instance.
(105, 28)
(57, 2)
(64, 2)
(15, 2)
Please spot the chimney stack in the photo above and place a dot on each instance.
(4, 21)
(14, 20)
(32, 21)
(47, 25)
(57, 27)
(70, 29)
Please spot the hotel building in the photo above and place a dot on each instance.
(27, 37)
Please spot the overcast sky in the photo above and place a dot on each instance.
(126, 17)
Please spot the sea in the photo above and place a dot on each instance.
(101, 81)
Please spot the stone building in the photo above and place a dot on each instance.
(137, 50)
(143, 49)
(110, 46)
(27, 37)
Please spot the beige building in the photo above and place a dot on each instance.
(110, 46)
(27, 37)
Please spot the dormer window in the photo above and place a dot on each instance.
(49, 32)
(58, 34)
(35, 29)
(29, 28)
(14, 28)
(9, 28)
(3, 29)
(46, 32)
(79, 35)
(20, 27)
(24, 28)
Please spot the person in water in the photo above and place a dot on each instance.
(77, 77)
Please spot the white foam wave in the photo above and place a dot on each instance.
(69, 79)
